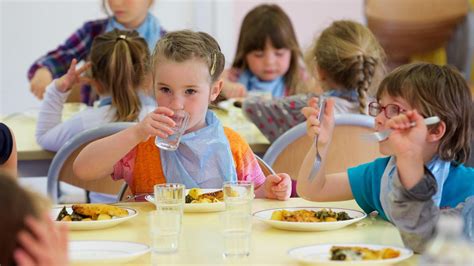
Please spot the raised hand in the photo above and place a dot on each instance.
(157, 123)
(73, 76)
(315, 127)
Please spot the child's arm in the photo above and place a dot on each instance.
(332, 187)
(50, 133)
(98, 158)
(55, 63)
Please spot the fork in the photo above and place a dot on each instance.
(317, 162)
(383, 135)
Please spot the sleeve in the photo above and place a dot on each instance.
(275, 117)
(123, 169)
(365, 184)
(413, 212)
(51, 134)
(76, 46)
(246, 164)
(6, 143)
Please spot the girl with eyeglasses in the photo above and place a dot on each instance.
(423, 173)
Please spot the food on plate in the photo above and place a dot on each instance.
(306, 216)
(91, 212)
(195, 195)
(362, 253)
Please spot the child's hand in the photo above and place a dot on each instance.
(45, 243)
(278, 186)
(72, 76)
(407, 140)
(314, 127)
(40, 80)
(157, 123)
(234, 90)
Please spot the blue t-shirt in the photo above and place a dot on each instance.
(365, 185)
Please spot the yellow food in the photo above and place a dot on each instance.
(93, 210)
(195, 196)
(306, 216)
(362, 253)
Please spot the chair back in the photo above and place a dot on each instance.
(61, 166)
(347, 148)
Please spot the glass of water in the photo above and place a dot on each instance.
(236, 231)
(165, 222)
(238, 196)
(171, 143)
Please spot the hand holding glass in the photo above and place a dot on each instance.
(171, 143)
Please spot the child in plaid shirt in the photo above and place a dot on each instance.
(129, 15)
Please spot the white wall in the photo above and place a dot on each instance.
(30, 28)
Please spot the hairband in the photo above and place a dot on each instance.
(213, 67)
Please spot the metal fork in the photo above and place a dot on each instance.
(317, 162)
(383, 135)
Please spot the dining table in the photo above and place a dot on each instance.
(201, 242)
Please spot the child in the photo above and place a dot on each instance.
(268, 57)
(119, 62)
(187, 66)
(408, 94)
(347, 60)
(8, 156)
(29, 237)
(126, 15)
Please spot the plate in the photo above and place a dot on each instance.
(265, 216)
(92, 225)
(87, 251)
(319, 254)
(197, 207)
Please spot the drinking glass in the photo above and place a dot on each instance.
(171, 143)
(165, 222)
(236, 231)
(238, 196)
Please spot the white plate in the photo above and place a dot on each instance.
(87, 251)
(197, 207)
(265, 215)
(320, 254)
(92, 225)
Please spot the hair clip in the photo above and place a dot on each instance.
(213, 67)
(122, 37)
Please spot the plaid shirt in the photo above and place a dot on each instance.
(77, 46)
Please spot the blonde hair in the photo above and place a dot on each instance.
(351, 56)
(183, 45)
(270, 22)
(436, 91)
(120, 64)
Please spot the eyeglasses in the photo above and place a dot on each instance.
(389, 110)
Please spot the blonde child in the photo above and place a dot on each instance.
(8, 156)
(119, 68)
(29, 237)
(187, 68)
(407, 95)
(126, 15)
(348, 62)
(268, 58)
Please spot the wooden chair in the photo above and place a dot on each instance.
(347, 149)
(61, 166)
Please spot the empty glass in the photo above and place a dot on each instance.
(171, 143)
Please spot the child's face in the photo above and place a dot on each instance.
(129, 13)
(186, 85)
(270, 63)
(381, 119)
